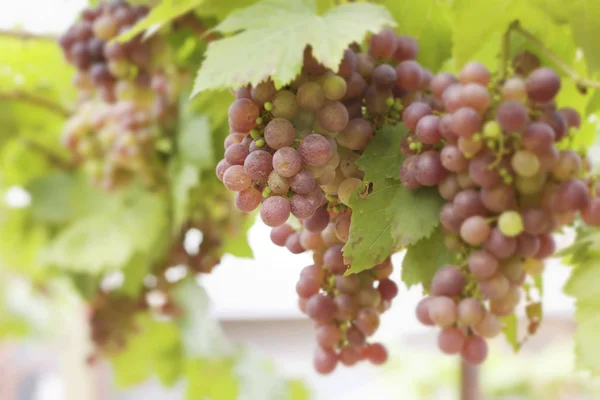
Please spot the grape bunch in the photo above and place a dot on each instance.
(499, 154)
(345, 309)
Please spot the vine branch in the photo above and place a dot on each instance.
(39, 101)
(23, 35)
(581, 82)
(52, 157)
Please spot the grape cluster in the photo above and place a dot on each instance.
(498, 152)
(122, 127)
(293, 151)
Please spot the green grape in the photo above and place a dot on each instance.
(525, 163)
(510, 223)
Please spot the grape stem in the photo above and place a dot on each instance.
(50, 155)
(23, 35)
(39, 101)
(581, 82)
(469, 381)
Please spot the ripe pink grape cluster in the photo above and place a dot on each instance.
(498, 154)
(345, 309)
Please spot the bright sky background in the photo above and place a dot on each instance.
(263, 287)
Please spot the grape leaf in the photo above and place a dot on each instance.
(184, 177)
(424, 258)
(133, 274)
(510, 331)
(194, 141)
(155, 349)
(390, 216)
(211, 379)
(274, 35)
(236, 241)
(428, 22)
(159, 15)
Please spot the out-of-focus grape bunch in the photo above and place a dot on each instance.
(124, 122)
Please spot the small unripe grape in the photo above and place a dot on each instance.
(510, 223)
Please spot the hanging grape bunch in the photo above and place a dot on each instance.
(499, 154)
(123, 125)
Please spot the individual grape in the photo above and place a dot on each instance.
(468, 146)
(527, 245)
(247, 200)
(427, 129)
(348, 64)
(318, 221)
(408, 173)
(258, 165)
(279, 133)
(348, 284)
(321, 308)
(95, 48)
(470, 311)
(571, 196)
(474, 350)
(506, 306)
(451, 340)
(480, 172)
(233, 138)
(468, 203)
(571, 117)
(388, 289)
(242, 115)
(280, 234)
(510, 223)
(513, 270)
(105, 27)
(100, 75)
(514, 89)
(355, 337)
(548, 159)
(263, 92)
(450, 219)
(325, 361)
(542, 85)
(451, 98)
(284, 105)
(489, 326)
(334, 87)
(440, 83)
(512, 116)
(448, 281)
(355, 88)
(536, 220)
(557, 122)
(311, 240)
(442, 311)
(367, 321)
(422, 311)
(475, 230)
(428, 169)
(538, 137)
(449, 188)
(275, 211)
(278, 184)
(347, 187)
(236, 154)
(310, 96)
(245, 92)
(222, 166)
(314, 271)
(498, 198)
(315, 150)
(533, 267)
(413, 114)
(475, 96)
(591, 213)
(525, 163)
(328, 336)
(495, 287)
(384, 76)
(287, 162)
(547, 246)
(568, 166)
(482, 264)
(365, 65)
(356, 135)
(531, 185)
(406, 48)
(303, 182)
(333, 116)
(376, 353)
(466, 121)
(383, 44)
(409, 75)
(236, 179)
(499, 245)
(307, 286)
(349, 356)
(368, 297)
(333, 259)
(474, 72)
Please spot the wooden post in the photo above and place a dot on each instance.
(469, 381)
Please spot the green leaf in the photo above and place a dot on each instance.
(108, 239)
(275, 33)
(423, 259)
(510, 331)
(236, 241)
(429, 23)
(155, 349)
(194, 141)
(211, 379)
(390, 216)
(184, 178)
(134, 272)
(163, 13)
(201, 334)
(51, 198)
